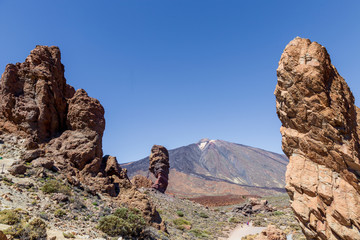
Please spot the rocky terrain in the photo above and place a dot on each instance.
(52, 134)
(220, 168)
(188, 220)
(320, 135)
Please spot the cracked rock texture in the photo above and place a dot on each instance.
(320, 137)
(159, 166)
(61, 129)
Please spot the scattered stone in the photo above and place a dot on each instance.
(254, 206)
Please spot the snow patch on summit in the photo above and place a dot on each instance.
(203, 144)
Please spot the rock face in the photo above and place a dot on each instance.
(141, 181)
(61, 129)
(159, 166)
(320, 137)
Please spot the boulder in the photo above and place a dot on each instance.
(43, 162)
(159, 166)
(320, 137)
(271, 233)
(59, 197)
(17, 169)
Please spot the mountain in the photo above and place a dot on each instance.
(215, 167)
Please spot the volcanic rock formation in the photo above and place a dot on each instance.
(159, 166)
(141, 181)
(61, 129)
(320, 137)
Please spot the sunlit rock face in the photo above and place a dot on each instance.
(58, 128)
(320, 137)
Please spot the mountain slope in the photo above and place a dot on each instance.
(219, 167)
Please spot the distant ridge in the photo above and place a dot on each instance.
(215, 167)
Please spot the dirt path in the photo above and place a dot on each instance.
(243, 230)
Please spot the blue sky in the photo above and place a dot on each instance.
(172, 72)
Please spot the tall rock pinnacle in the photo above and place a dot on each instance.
(159, 166)
(320, 137)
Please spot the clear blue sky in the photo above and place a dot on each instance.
(172, 72)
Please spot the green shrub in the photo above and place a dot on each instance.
(277, 213)
(9, 217)
(59, 213)
(34, 230)
(203, 215)
(200, 234)
(68, 235)
(181, 221)
(55, 186)
(121, 213)
(8, 181)
(180, 213)
(234, 220)
(124, 222)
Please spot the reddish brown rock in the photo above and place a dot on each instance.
(159, 166)
(141, 182)
(17, 169)
(320, 137)
(2, 236)
(271, 233)
(43, 163)
(33, 95)
(62, 130)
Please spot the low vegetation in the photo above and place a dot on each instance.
(55, 186)
(123, 222)
(180, 213)
(35, 230)
(199, 233)
(68, 235)
(9, 217)
(180, 223)
(59, 213)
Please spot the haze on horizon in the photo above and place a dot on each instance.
(174, 72)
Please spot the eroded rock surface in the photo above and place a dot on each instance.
(159, 166)
(271, 233)
(320, 137)
(141, 181)
(61, 129)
